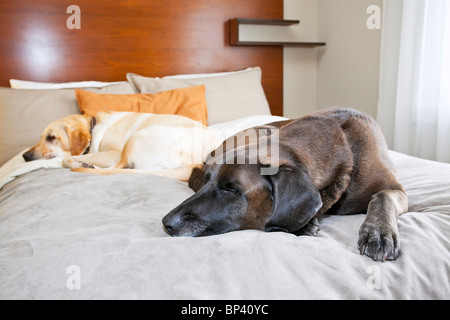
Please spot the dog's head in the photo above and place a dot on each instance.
(236, 197)
(63, 137)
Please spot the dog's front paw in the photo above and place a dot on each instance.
(311, 229)
(380, 243)
(71, 162)
(74, 163)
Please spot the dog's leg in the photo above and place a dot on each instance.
(331, 194)
(311, 229)
(378, 236)
(103, 159)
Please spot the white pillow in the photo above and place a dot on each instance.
(204, 75)
(22, 84)
(228, 97)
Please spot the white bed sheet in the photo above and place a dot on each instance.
(54, 223)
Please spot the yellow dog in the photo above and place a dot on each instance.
(126, 142)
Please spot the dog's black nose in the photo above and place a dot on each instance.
(28, 156)
(172, 223)
(168, 228)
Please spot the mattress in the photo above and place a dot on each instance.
(69, 235)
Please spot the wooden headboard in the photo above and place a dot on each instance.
(148, 37)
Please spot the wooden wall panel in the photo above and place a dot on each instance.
(148, 37)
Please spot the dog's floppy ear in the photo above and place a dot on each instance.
(197, 179)
(79, 139)
(295, 200)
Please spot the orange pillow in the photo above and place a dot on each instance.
(189, 102)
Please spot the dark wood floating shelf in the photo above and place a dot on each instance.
(267, 22)
(234, 33)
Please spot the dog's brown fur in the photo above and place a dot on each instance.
(333, 162)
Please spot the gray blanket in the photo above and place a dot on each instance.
(67, 235)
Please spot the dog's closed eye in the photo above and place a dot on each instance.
(229, 188)
(50, 138)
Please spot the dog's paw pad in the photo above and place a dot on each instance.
(380, 244)
(87, 165)
(74, 163)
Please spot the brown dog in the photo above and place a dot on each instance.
(332, 162)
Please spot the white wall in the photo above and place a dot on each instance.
(348, 68)
(344, 73)
(300, 64)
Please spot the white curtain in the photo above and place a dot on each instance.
(414, 105)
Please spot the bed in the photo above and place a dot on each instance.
(70, 235)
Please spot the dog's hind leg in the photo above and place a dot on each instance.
(378, 236)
